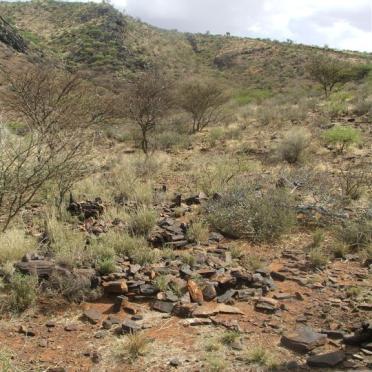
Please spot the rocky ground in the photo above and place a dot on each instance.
(205, 312)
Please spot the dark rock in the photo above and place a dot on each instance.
(93, 316)
(278, 276)
(148, 289)
(328, 360)
(96, 357)
(27, 331)
(41, 268)
(227, 296)
(209, 292)
(129, 326)
(174, 362)
(106, 324)
(163, 306)
(87, 209)
(184, 310)
(303, 339)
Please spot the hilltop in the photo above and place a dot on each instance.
(100, 40)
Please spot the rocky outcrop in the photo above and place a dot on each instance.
(10, 37)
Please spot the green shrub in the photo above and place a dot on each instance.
(142, 221)
(22, 292)
(169, 140)
(106, 266)
(356, 234)
(293, 146)
(342, 137)
(198, 232)
(240, 213)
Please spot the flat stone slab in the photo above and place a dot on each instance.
(326, 360)
(213, 309)
(163, 306)
(93, 316)
(303, 339)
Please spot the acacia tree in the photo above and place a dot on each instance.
(203, 101)
(147, 100)
(329, 72)
(57, 110)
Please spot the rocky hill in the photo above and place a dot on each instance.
(101, 41)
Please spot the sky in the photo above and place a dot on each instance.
(342, 24)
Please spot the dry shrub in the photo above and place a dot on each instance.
(293, 146)
(241, 213)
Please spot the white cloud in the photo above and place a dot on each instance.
(338, 23)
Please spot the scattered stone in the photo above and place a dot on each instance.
(278, 276)
(129, 326)
(283, 296)
(163, 306)
(50, 324)
(100, 334)
(175, 362)
(43, 343)
(27, 331)
(266, 304)
(303, 339)
(106, 324)
(196, 322)
(93, 316)
(71, 328)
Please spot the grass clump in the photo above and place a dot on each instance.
(293, 146)
(251, 262)
(14, 244)
(228, 338)
(161, 282)
(132, 347)
(106, 266)
(262, 358)
(215, 363)
(240, 213)
(318, 258)
(341, 137)
(353, 292)
(22, 293)
(6, 361)
(142, 221)
(198, 232)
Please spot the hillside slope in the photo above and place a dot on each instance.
(98, 39)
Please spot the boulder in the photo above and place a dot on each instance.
(328, 360)
(196, 293)
(163, 306)
(303, 339)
